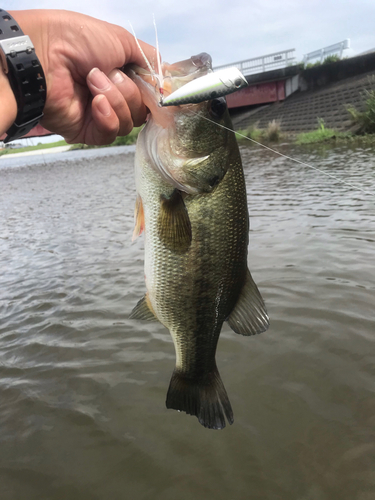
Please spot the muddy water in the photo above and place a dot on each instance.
(82, 387)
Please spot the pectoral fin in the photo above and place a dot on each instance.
(249, 315)
(194, 162)
(143, 310)
(174, 228)
(139, 218)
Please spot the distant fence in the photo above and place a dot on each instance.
(263, 63)
(337, 48)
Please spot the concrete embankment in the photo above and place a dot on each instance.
(324, 92)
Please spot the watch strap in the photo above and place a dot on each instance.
(25, 75)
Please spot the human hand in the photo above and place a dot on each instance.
(88, 99)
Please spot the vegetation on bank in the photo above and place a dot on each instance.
(271, 134)
(365, 120)
(119, 141)
(328, 60)
(9, 151)
(322, 134)
(125, 140)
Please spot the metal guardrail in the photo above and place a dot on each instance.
(321, 54)
(264, 63)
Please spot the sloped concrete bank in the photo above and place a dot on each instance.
(324, 92)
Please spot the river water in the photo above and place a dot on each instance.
(82, 387)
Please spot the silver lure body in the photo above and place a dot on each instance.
(211, 86)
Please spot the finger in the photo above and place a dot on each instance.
(104, 125)
(99, 83)
(132, 96)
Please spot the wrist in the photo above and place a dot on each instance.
(25, 78)
(32, 23)
(8, 104)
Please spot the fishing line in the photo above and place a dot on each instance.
(159, 75)
(285, 156)
(158, 55)
(143, 54)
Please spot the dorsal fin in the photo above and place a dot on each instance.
(249, 315)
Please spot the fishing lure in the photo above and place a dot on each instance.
(211, 86)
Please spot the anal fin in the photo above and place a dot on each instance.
(143, 310)
(249, 315)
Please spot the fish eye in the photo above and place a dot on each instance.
(213, 181)
(218, 107)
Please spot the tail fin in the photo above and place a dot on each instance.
(206, 398)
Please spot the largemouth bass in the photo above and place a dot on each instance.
(191, 204)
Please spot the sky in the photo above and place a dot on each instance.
(232, 30)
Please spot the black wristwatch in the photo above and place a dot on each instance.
(26, 76)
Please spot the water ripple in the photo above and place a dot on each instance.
(82, 387)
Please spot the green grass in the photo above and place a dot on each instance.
(251, 133)
(33, 148)
(365, 120)
(313, 65)
(328, 60)
(331, 59)
(270, 134)
(322, 134)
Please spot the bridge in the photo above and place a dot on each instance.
(273, 77)
(266, 76)
(263, 63)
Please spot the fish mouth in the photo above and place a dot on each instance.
(154, 87)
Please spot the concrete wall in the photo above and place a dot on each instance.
(291, 85)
